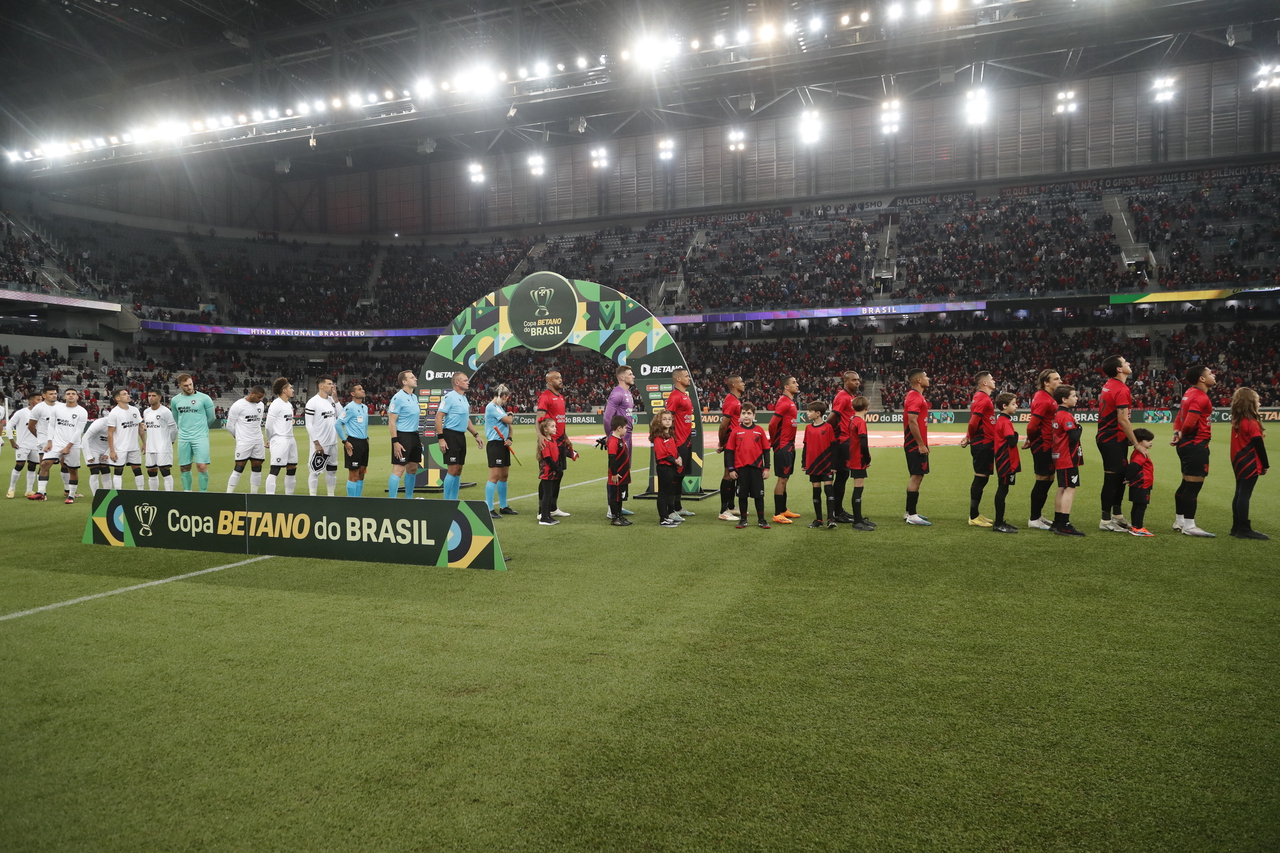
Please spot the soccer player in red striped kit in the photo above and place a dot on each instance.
(730, 411)
(915, 441)
(782, 440)
(681, 408)
(1191, 434)
(1115, 436)
(1040, 441)
(842, 414)
(981, 441)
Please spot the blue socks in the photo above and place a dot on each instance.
(186, 481)
(451, 486)
(393, 486)
(356, 489)
(502, 493)
(489, 489)
(204, 481)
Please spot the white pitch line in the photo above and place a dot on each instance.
(574, 486)
(130, 588)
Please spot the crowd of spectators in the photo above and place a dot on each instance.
(427, 286)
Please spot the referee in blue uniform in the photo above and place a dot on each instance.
(452, 419)
(354, 422)
(406, 444)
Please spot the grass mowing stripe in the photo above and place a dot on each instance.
(562, 488)
(85, 598)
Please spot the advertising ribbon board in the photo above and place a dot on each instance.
(457, 534)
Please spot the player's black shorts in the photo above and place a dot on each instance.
(984, 458)
(686, 455)
(841, 459)
(1042, 460)
(412, 444)
(1009, 479)
(917, 463)
(828, 477)
(784, 462)
(1115, 455)
(358, 457)
(857, 473)
(1068, 478)
(499, 454)
(1139, 495)
(1195, 459)
(455, 447)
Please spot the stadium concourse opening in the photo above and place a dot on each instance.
(544, 312)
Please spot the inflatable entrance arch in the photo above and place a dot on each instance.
(544, 312)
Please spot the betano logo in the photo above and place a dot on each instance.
(646, 369)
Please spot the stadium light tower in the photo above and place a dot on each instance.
(666, 156)
(1264, 107)
(810, 131)
(1065, 110)
(890, 115)
(1162, 89)
(537, 168)
(736, 139)
(975, 115)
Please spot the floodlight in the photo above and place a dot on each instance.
(541, 69)
(14, 156)
(535, 165)
(923, 7)
(599, 158)
(582, 62)
(950, 5)
(242, 119)
(810, 127)
(126, 137)
(502, 77)
(559, 66)
(815, 25)
(257, 115)
(767, 32)
(975, 109)
(354, 99)
(1164, 89)
(319, 106)
(666, 149)
(303, 108)
(844, 20)
(889, 117)
(289, 111)
(100, 142)
(718, 40)
(895, 11)
(372, 98)
(736, 140)
(115, 140)
(273, 113)
(789, 28)
(337, 102)
(523, 73)
(864, 17)
(743, 36)
(695, 44)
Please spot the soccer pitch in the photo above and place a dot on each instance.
(696, 688)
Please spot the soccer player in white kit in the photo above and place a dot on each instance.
(97, 454)
(124, 424)
(244, 421)
(321, 416)
(283, 449)
(67, 426)
(159, 432)
(25, 446)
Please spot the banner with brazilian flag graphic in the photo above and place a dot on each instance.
(457, 534)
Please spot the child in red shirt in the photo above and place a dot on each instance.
(550, 469)
(1141, 476)
(746, 458)
(859, 460)
(667, 453)
(1248, 459)
(619, 470)
(819, 462)
(1007, 461)
(1067, 459)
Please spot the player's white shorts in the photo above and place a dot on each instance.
(161, 457)
(97, 456)
(125, 457)
(29, 453)
(250, 450)
(71, 460)
(326, 457)
(284, 451)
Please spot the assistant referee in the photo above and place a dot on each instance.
(452, 418)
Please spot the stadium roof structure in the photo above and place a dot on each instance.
(92, 86)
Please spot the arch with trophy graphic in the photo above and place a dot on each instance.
(544, 312)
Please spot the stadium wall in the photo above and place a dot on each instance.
(1212, 117)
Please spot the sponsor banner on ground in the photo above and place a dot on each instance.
(457, 534)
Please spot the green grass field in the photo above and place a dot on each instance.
(647, 689)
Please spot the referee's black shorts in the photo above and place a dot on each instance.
(412, 444)
(499, 454)
(455, 447)
(358, 457)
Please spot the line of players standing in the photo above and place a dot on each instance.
(51, 432)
